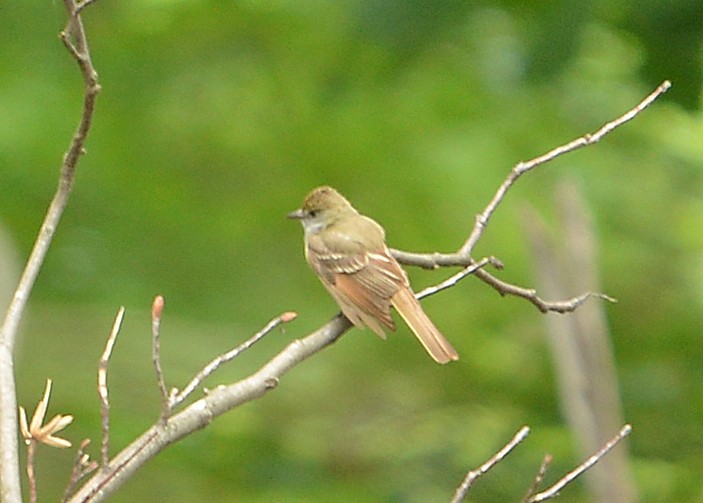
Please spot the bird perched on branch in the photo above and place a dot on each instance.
(348, 253)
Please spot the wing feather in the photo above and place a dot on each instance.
(361, 282)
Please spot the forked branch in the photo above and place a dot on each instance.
(463, 257)
(74, 38)
(523, 167)
(549, 493)
(171, 427)
(553, 491)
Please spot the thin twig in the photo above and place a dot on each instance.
(472, 475)
(215, 363)
(103, 390)
(546, 462)
(82, 5)
(224, 398)
(10, 491)
(455, 278)
(463, 256)
(477, 268)
(31, 477)
(82, 466)
(559, 306)
(553, 491)
(157, 309)
(523, 167)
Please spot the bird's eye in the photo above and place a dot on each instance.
(313, 213)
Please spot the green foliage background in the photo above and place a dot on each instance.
(214, 121)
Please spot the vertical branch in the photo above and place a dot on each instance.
(157, 309)
(103, 390)
(31, 477)
(74, 38)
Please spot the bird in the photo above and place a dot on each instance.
(348, 253)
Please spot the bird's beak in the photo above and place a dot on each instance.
(298, 214)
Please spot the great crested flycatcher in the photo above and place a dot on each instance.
(348, 253)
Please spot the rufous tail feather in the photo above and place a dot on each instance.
(431, 338)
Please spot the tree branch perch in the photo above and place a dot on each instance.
(226, 397)
(171, 427)
(74, 38)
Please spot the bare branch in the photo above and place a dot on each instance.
(229, 356)
(523, 167)
(10, 491)
(463, 256)
(31, 476)
(472, 475)
(432, 260)
(82, 466)
(223, 398)
(201, 412)
(553, 491)
(157, 309)
(82, 5)
(546, 462)
(102, 387)
(477, 268)
(455, 278)
(560, 306)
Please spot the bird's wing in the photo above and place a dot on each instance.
(360, 278)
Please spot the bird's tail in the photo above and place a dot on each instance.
(431, 338)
